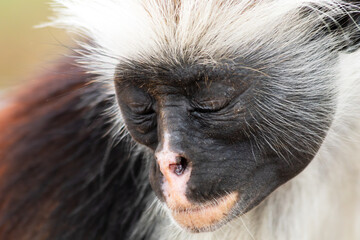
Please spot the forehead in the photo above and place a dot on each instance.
(201, 74)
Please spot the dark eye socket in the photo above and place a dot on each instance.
(208, 106)
(136, 100)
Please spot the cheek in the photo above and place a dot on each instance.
(220, 169)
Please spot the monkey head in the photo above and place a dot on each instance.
(229, 111)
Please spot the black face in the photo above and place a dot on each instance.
(238, 130)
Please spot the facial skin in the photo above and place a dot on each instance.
(210, 139)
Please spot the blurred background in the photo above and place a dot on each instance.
(24, 50)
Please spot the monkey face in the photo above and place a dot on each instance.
(223, 137)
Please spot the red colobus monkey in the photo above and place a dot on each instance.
(189, 119)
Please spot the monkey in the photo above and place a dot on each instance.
(189, 119)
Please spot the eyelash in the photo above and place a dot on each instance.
(205, 108)
(140, 109)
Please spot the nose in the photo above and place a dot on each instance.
(172, 165)
(176, 170)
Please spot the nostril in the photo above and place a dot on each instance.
(180, 166)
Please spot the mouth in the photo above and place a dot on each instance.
(205, 217)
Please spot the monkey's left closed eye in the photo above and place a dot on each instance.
(208, 106)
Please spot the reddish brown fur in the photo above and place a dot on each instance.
(62, 176)
(35, 100)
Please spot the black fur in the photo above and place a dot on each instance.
(352, 23)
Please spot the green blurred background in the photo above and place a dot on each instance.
(25, 50)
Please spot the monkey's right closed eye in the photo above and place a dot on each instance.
(141, 108)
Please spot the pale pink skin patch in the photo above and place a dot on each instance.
(174, 186)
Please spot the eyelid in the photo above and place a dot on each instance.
(140, 108)
(212, 105)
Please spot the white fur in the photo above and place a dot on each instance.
(323, 202)
(123, 30)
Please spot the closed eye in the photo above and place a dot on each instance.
(208, 106)
(141, 108)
